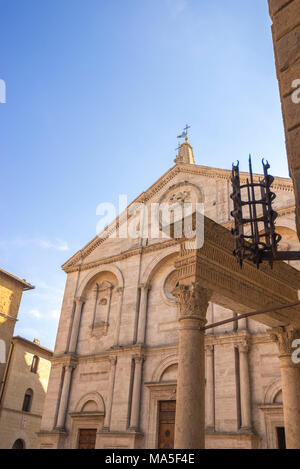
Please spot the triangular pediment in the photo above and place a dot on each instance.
(106, 245)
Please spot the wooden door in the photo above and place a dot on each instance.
(87, 438)
(166, 424)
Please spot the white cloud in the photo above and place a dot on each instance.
(57, 244)
(35, 313)
(55, 314)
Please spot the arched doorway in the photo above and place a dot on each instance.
(18, 444)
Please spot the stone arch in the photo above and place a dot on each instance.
(19, 444)
(163, 366)
(91, 396)
(155, 264)
(20, 435)
(272, 391)
(83, 286)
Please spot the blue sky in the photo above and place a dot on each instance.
(97, 91)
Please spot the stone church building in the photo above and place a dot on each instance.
(114, 370)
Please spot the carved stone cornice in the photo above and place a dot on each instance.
(67, 360)
(284, 337)
(120, 257)
(193, 300)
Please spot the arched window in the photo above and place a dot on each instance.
(27, 400)
(34, 364)
(18, 444)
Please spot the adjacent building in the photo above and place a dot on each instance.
(22, 393)
(11, 291)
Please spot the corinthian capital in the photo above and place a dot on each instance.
(243, 346)
(193, 300)
(284, 337)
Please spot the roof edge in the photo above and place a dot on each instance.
(26, 285)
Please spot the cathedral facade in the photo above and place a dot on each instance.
(114, 371)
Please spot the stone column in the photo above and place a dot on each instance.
(245, 391)
(113, 363)
(75, 325)
(120, 291)
(190, 400)
(136, 393)
(209, 390)
(290, 377)
(143, 314)
(64, 397)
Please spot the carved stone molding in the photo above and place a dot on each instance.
(113, 360)
(243, 346)
(284, 337)
(209, 349)
(138, 358)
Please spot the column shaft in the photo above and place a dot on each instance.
(64, 398)
(120, 291)
(75, 325)
(142, 315)
(245, 390)
(209, 390)
(136, 394)
(290, 377)
(113, 362)
(190, 398)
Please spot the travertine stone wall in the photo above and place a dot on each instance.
(285, 15)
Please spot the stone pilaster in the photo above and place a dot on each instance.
(245, 391)
(290, 377)
(210, 389)
(136, 393)
(190, 403)
(120, 293)
(113, 363)
(143, 314)
(75, 325)
(64, 398)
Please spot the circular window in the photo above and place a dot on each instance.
(169, 286)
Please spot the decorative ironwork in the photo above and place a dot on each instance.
(254, 219)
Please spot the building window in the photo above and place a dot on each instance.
(27, 400)
(34, 364)
(18, 444)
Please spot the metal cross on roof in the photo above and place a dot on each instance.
(184, 134)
